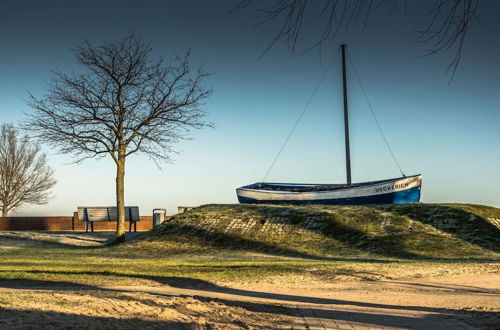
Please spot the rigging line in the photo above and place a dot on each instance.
(374, 116)
(300, 116)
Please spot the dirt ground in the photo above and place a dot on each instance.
(20, 239)
(452, 302)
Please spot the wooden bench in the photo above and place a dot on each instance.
(91, 214)
(181, 209)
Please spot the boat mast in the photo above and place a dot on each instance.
(346, 117)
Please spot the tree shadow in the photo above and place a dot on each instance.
(189, 283)
(226, 241)
(469, 227)
(318, 317)
(392, 246)
(25, 319)
(297, 217)
(304, 307)
(340, 231)
(455, 288)
(33, 242)
(383, 246)
(90, 239)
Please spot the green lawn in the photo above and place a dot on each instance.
(105, 267)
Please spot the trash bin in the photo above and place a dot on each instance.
(158, 216)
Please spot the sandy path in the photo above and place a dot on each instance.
(461, 302)
(451, 302)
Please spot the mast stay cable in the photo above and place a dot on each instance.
(300, 116)
(374, 116)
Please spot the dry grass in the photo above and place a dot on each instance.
(414, 231)
(347, 243)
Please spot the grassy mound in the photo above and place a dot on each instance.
(417, 231)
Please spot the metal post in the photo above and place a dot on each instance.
(346, 118)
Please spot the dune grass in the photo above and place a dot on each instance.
(414, 231)
(247, 243)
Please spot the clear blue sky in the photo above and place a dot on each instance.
(448, 132)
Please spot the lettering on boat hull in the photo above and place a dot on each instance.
(399, 190)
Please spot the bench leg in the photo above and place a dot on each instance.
(135, 226)
(92, 226)
(129, 226)
(86, 227)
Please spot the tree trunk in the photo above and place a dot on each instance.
(120, 200)
(5, 211)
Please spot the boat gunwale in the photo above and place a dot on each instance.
(352, 186)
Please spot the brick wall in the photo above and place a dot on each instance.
(36, 223)
(65, 223)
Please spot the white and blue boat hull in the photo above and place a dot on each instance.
(392, 191)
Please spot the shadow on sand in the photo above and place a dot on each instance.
(38, 319)
(206, 286)
(303, 307)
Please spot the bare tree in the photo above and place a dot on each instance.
(124, 103)
(25, 177)
(449, 20)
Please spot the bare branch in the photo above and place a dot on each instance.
(124, 96)
(450, 21)
(25, 177)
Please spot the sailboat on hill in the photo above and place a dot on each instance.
(405, 189)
